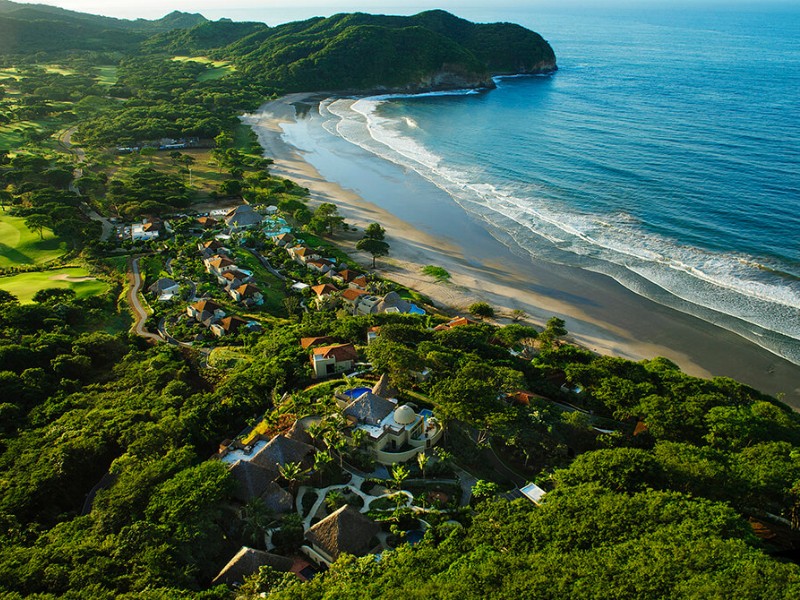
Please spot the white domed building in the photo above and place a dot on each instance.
(394, 433)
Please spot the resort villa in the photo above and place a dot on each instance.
(394, 433)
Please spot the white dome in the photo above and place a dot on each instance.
(404, 415)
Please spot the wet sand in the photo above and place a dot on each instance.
(426, 227)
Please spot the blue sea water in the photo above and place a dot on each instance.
(664, 153)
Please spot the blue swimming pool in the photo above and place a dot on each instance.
(426, 412)
(416, 310)
(356, 392)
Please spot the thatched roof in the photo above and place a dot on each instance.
(246, 562)
(345, 530)
(277, 499)
(251, 480)
(298, 433)
(383, 388)
(281, 450)
(369, 408)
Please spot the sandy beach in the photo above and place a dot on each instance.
(425, 227)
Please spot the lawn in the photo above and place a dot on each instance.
(25, 285)
(216, 69)
(107, 75)
(21, 246)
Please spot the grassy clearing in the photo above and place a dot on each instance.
(25, 285)
(10, 72)
(107, 75)
(21, 246)
(216, 69)
(227, 357)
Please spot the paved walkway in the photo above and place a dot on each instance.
(139, 313)
(353, 486)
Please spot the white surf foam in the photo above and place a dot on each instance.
(731, 284)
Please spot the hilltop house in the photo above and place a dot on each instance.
(345, 530)
(457, 322)
(307, 342)
(211, 247)
(329, 360)
(205, 311)
(284, 240)
(351, 298)
(394, 433)
(217, 265)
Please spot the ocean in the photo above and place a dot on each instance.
(664, 153)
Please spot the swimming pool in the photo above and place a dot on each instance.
(356, 392)
(426, 412)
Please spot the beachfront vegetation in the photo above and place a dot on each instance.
(482, 310)
(438, 273)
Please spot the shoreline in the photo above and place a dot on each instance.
(600, 313)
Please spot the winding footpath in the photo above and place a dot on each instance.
(139, 313)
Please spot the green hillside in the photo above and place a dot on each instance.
(431, 50)
(32, 28)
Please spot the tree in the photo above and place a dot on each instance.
(38, 222)
(400, 473)
(256, 520)
(374, 247)
(302, 216)
(422, 461)
(483, 490)
(374, 231)
(292, 473)
(326, 218)
(482, 310)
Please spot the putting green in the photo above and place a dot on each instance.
(25, 285)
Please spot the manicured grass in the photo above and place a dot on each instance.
(216, 68)
(107, 76)
(21, 246)
(25, 285)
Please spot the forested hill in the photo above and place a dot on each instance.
(31, 28)
(431, 50)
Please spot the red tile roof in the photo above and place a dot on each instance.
(339, 352)
(307, 342)
(324, 289)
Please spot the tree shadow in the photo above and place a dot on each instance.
(14, 255)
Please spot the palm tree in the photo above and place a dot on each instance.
(334, 500)
(322, 462)
(316, 431)
(256, 519)
(359, 436)
(292, 473)
(422, 461)
(399, 474)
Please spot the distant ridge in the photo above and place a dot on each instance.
(30, 28)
